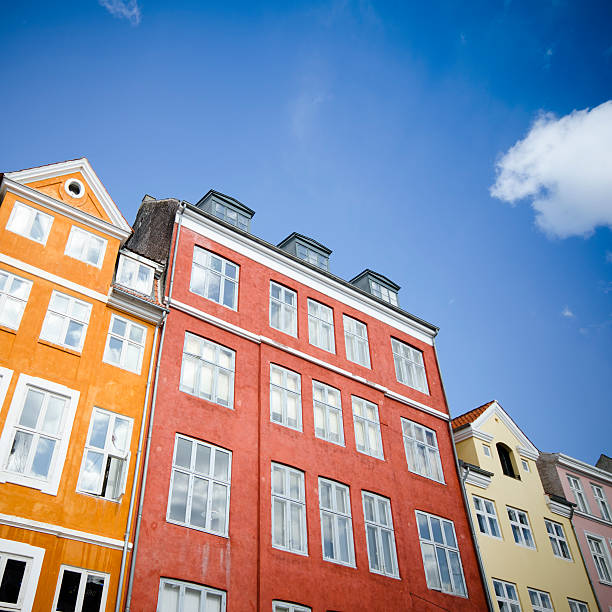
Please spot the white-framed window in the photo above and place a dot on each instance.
(486, 516)
(506, 596)
(367, 427)
(321, 326)
(579, 496)
(602, 502)
(409, 366)
(525, 465)
(521, 530)
(35, 437)
(383, 293)
(20, 566)
(30, 223)
(486, 449)
(288, 510)
(577, 606)
(179, 596)
(597, 546)
(283, 309)
(540, 600)
(66, 321)
(382, 555)
(125, 344)
(207, 370)
(135, 274)
(200, 486)
(557, 539)
(285, 397)
(356, 341)
(80, 590)
(231, 216)
(85, 246)
(422, 453)
(14, 294)
(311, 256)
(441, 559)
(336, 522)
(284, 606)
(214, 278)
(106, 457)
(327, 413)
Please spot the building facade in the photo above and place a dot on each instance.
(300, 454)
(530, 553)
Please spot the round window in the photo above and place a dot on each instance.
(74, 188)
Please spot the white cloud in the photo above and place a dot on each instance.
(566, 312)
(123, 9)
(564, 167)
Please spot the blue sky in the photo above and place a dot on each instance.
(375, 128)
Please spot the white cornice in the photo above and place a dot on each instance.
(527, 453)
(137, 307)
(559, 508)
(592, 517)
(478, 480)
(469, 432)
(585, 468)
(144, 260)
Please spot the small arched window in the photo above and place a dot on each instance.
(505, 458)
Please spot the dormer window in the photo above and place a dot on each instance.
(307, 249)
(227, 209)
(231, 216)
(312, 256)
(377, 285)
(382, 292)
(135, 275)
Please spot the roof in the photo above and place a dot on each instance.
(469, 417)
(307, 240)
(231, 201)
(377, 276)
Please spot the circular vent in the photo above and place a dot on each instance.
(74, 188)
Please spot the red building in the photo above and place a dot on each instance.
(300, 454)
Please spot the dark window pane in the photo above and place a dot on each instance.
(66, 601)
(93, 594)
(11, 581)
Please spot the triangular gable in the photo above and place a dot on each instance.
(96, 201)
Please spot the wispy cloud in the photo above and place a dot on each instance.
(123, 9)
(548, 55)
(566, 312)
(564, 167)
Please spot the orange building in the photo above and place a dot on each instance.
(79, 320)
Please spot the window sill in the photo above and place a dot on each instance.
(212, 533)
(44, 486)
(59, 347)
(293, 552)
(8, 330)
(99, 497)
(335, 562)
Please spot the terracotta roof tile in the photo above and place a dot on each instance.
(148, 298)
(469, 417)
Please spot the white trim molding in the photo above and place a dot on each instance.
(468, 432)
(558, 508)
(35, 555)
(585, 468)
(135, 306)
(478, 480)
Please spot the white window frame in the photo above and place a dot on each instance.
(601, 558)
(600, 497)
(210, 477)
(576, 488)
(356, 341)
(32, 212)
(523, 527)
(205, 590)
(284, 309)
(85, 573)
(285, 606)
(486, 449)
(200, 364)
(109, 452)
(557, 539)
(512, 604)
(429, 457)
(67, 318)
(288, 504)
(320, 320)
(126, 260)
(577, 606)
(540, 606)
(488, 517)
(525, 465)
(284, 392)
(88, 238)
(51, 484)
(224, 212)
(378, 526)
(33, 556)
(209, 272)
(409, 366)
(6, 296)
(382, 292)
(368, 425)
(325, 433)
(336, 515)
(311, 256)
(126, 341)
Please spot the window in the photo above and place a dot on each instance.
(179, 596)
(597, 546)
(336, 523)
(577, 606)
(441, 560)
(20, 566)
(85, 246)
(30, 222)
(66, 321)
(380, 291)
(311, 256)
(125, 344)
(356, 341)
(80, 590)
(540, 600)
(505, 458)
(285, 397)
(520, 527)
(14, 293)
(208, 370)
(229, 215)
(422, 454)
(200, 486)
(214, 278)
(506, 596)
(106, 457)
(486, 516)
(576, 487)
(382, 555)
(486, 449)
(327, 413)
(135, 275)
(557, 539)
(367, 427)
(321, 326)
(283, 606)
(288, 509)
(283, 309)
(409, 367)
(525, 465)
(602, 502)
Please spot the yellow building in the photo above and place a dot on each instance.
(526, 541)
(79, 316)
